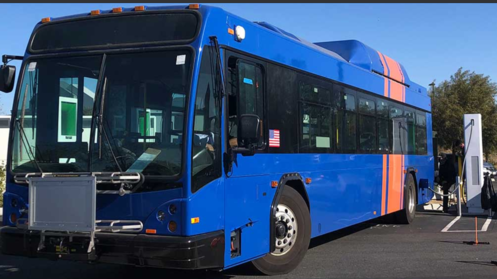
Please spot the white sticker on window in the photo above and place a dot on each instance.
(315, 90)
(306, 119)
(32, 66)
(323, 142)
(180, 59)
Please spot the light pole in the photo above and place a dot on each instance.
(432, 87)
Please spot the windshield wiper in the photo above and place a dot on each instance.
(94, 115)
(219, 70)
(101, 128)
(100, 119)
(26, 145)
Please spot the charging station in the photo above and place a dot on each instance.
(473, 162)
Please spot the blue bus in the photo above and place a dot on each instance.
(187, 137)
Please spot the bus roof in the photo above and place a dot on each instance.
(356, 53)
(350, 52)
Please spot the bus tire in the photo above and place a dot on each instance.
(407, 214)
(292, 237)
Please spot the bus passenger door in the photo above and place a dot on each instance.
(247, 183)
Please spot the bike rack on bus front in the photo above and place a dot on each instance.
(65, 205)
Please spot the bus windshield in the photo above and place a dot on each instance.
(72, 118)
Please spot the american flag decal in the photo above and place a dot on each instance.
(274, 138)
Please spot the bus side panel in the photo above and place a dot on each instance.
(345, 190)
(248, 198)
(204, 210)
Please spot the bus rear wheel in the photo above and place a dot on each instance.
(292, 235)
(407, 214)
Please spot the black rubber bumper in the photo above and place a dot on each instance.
(204, 251)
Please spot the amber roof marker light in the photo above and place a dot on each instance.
(193, 6)
(140, 8)
(46, 19)
(95, 12)
(117, 10)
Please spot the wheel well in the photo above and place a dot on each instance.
(298, 185)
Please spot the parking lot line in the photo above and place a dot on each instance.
(451, 224)
(484, 228)
(487, 223)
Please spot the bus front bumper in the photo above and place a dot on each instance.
(204, 251)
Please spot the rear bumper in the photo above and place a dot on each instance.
(205, 251)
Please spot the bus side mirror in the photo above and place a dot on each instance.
(248, 135)
(7, 76)
(249, 129)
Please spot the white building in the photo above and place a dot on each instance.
(4, 138)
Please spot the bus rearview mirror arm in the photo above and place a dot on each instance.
(246, 151)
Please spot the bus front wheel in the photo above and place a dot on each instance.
(292, 235)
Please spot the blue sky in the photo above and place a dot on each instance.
(431, 40)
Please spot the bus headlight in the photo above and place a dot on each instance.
(13, 203)
(161, 215)
(172, 209)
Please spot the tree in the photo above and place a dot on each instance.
(465, 92)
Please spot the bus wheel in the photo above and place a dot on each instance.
(407, 214)
(292, 235)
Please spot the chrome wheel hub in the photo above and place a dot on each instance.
(286, 230)
(411, 199)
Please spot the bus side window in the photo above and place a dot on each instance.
(346, 124)
(421, 141)
(410, 119)
(246, 97)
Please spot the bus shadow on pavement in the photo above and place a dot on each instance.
(323, 239)
(478, 263)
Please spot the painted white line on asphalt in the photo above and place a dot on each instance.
(464, 231)
(451, 224)
(487, 222)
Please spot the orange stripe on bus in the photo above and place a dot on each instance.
(394, 68)
(384, 185)
(394, 183)
(396, 91)
(396, 74)
(384, 63)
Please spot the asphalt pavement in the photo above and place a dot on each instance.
(369, 250)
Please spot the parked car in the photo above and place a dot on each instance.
(488, 167)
